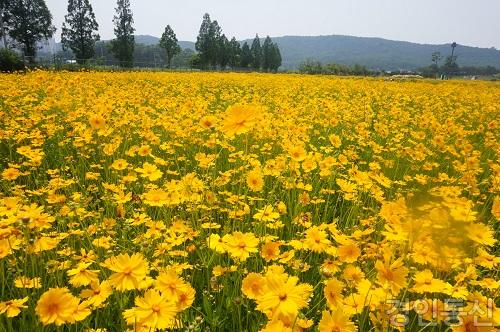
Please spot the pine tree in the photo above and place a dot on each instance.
(246, 56)
(267, 54)
(27, 22)
(203, 43)
(123, 46)
(216, 49)
(169, 42)
(275, 61)
(234, 53)
(256, 53)
(79, 30)
(223, 52)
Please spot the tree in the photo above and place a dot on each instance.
(246, 56)
(27, 23)
(267, 54)
(123, 46)
(223, 51)
(275, 57)
(79, 30)
(435, 57)
(234, 53)
(203, 42)
(256, 53)
(169, 42)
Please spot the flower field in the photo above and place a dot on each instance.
(248, 202)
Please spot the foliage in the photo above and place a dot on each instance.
(170, 44)
(315, 67)
(28, 22)
(123, 46)
(10, 61)
(256, 53)
(79, 30)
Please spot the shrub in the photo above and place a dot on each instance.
(10, 61)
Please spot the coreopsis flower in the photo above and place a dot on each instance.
(81, 275)
(348, 252)
(255, 180)
(333, 293)
(12, 308)
(266, 214)
(97, 121)
(336, 321)
(238, 119)
(253, 286)
(283, 294)
(10, 174)
(58, 306)
(25, 282)
(130, 271)
(154, 310)
(270, 251)
(119, 164)
(98, 293)
(240, 245)
(316, 239)
(149, 171)
(426, 283)
(392, 274)
(481, 234)
(156, 197)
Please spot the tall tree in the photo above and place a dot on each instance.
(169, 42)
(246, 56)
(27, 23)
(223, 51)
(234, 53)
(217, 45)
(256, 53)
(79, 30)
(122, 46)
(267, 54)
(203, 43)
(275, 57)
(3, 21)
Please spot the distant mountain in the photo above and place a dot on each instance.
(375, 53)
(151, 40)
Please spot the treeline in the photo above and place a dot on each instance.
(216, 50)
(316, 67)
(449, 67)
(24, 24)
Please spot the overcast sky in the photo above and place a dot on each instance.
(468, 22)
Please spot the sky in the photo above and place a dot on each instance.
(468, 22)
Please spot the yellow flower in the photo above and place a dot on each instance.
(12, 308)
(97, 121)
(253, 286)
(255, 180)
(10, 174)
(119, 164)
(240, 245)
(481, 233)
(338, 322)
(283, 295)
(80, 276)
(238, 119)
(266, 214)
(25, 282)
(130, 271)
(58, 306)
(98, 293)
(154, 310)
